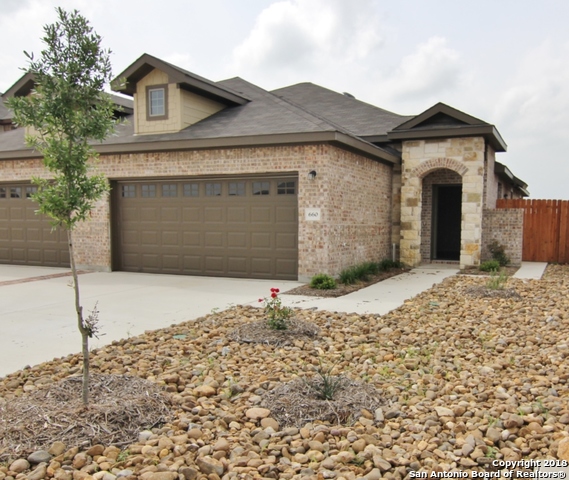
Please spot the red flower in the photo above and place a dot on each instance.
(274, 295)
(277, 290)
(260, 300)
(273, 290)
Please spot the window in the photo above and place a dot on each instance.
(260, 188)
(286, 188)
(191, 190)
(213, 189)
(170, 190)
(128, 191)
(2, 192)
(237, 189)
(148, 191)
(157, 102)
(15, 192)
(30, 191)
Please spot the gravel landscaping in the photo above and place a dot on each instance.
(459, 379)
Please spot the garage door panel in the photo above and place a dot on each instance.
(4, 236)
(213, 239)
(260, 240)
(170, 238)
(191, 214)
(169, 214)
(4, 214)
(214, 264)
(261, 214)
(213, 227)
(236, 240)
(17, 234)
(237, 214)
(261, 267)
(285, 241)
(17, 213)
(237, 266)
(192, 239)
(33, 234)
(213, 215)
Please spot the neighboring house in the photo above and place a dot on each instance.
(227, 179)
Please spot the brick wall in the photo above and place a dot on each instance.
(353, 193)
(506, 226)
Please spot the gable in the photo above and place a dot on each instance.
(440, 120)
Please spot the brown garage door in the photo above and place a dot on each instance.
(234, 227)
(27, 238)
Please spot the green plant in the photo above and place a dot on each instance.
(490, 266)
(326, 385)
(323, 282)
(278, 315)
(497, 282)
(491, 452)
(387, 264)
(122, 456)
(498, 252)
(69, 111)
(348, 276)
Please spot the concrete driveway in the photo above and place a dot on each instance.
(38, 320)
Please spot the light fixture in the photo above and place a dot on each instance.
(312, 175)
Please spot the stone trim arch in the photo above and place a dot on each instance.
(422, 170)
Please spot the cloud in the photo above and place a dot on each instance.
(432, 71)
(298, 39)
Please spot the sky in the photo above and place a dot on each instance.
(503, 61)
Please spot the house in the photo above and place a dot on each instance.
(228, 179)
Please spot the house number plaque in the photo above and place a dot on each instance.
(312, 214)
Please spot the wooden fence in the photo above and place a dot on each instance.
(546, 229)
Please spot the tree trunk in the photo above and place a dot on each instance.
(80, 321)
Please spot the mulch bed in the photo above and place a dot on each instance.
(508, 271)
(121, 406)
(294, 404)
(342, 289)
(259, 332)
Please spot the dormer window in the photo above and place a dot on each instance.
(156, 102)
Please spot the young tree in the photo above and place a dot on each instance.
(67, 110)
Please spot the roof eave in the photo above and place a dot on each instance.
(339, 139)
(489, 132)
(126, 81)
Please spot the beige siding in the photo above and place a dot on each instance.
(170, 124)
(196, 108)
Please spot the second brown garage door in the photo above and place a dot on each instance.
(25, 237)
(234, 227)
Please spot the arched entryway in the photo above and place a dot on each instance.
(441, 215)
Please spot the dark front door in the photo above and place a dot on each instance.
(447, 213)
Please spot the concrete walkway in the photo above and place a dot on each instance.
(381, 297)
(531, 270)
(38, 319)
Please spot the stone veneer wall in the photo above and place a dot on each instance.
(420, 157)
(353, 193)
(505, 225)
(438, 177)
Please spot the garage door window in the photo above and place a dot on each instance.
(237, 189)
(30, 191)
(286, 188)
(2, 192)
(261, 188)
(191, 190)
(213, 189)
(128, 191)
(148, 191)
(16, 192)
(169, 190)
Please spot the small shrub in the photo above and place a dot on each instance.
(323, 282)
(498, 252)
(348, 276)
(387, 264)
(362, 272)
(497, 282)
(490, 266)
(372, 268)
(278, 315)
(325, 385)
